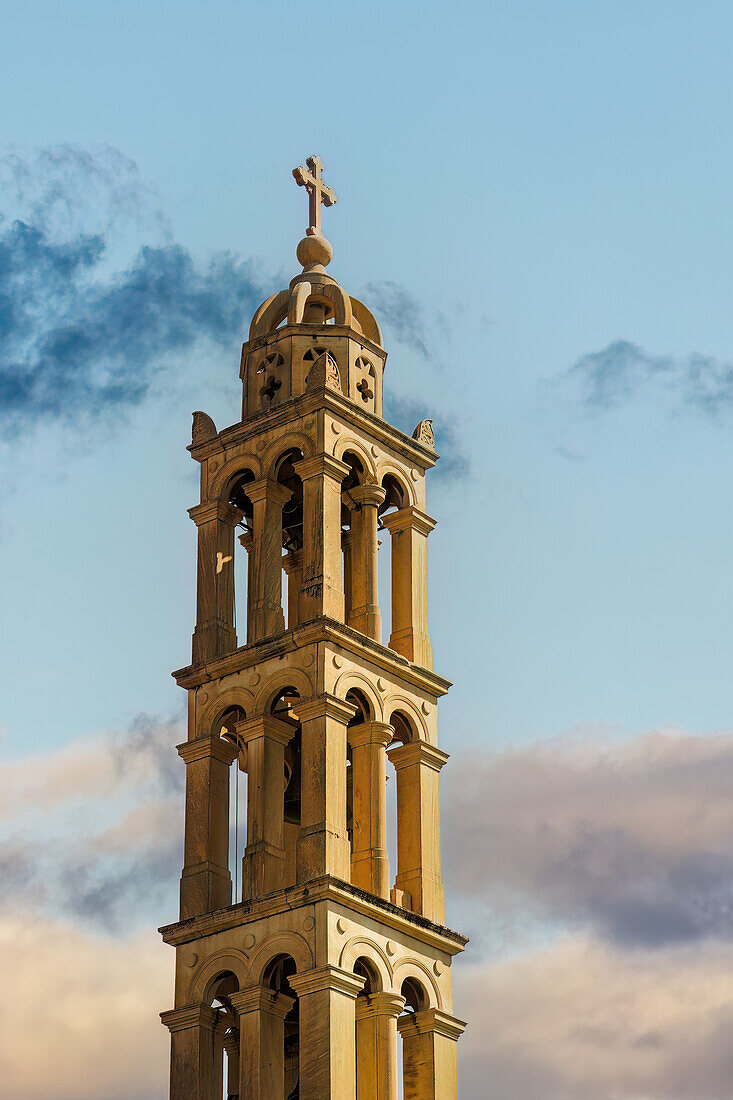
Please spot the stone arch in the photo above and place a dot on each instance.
(230, 471)
(416, 720)
(343, 446)
(269, 315)
(390, 469)
(292, 677)
(216, 707)
(352, 679)
(292, 441)
(359, 947)
(282, 943)
(210, 970)
(412, 967)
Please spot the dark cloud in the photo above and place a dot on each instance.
(81, 339)
(616, 374)
(400, 310)
(633, 840)
(406, 413)
(95, 830)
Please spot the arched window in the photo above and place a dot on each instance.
(276, 976)
(237, 495)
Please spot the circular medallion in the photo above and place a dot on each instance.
(249, 941)
(341, 925)
(309, 923)
(391, 947)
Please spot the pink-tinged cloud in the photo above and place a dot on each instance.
(633, 838)
(581, 1019)
(81, 1013)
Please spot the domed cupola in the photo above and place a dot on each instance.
(294, 329)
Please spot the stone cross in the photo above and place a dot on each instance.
(318, 191)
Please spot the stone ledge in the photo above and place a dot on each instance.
(326, 888)
(317, 630)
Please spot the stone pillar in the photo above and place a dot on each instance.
(364, 614)
(346, 550)
(323, 843)
(376, 1046)
(192, 1051)
(261, 1042)
(321, 592)
(205, 882)
(264, 605)
(418, 765)
(263, 865)
(214, 634)
(231, 1046)
(369, 859)
(429, 1054)
(247, 541)
(293, 566)
(326, 999)
(409, 529)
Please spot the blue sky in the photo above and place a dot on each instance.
(537, 196)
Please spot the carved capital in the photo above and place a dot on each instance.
(368, 496)
(321, 465)
(431, 1021)
(260, 999)
(409, 518)
(211, 510)
(379, 1004)
(268, 489)
(264, 726)
(371, 733)
(201, 748)
(181, 1019)
(327, 977)
(418, 752)
(323, 706)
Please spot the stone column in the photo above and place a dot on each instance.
(214, 634)
(261, 1042)
(376, 1046)
(205, 882)
(429, 1054)
(264, 605)
(418, 765)
(293, 566)
(323, 843)
(322, 593)
(326, 999)
(192, 1051)
(409, 529)
(346, 550)
(364, 614)
(369, 859)
(263, 865)
(231, 1046)
(247, 541)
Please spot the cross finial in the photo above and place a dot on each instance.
(318, 192)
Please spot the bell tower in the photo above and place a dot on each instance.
(302, 958)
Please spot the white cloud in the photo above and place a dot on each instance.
(581, 1019)
(81, 1013)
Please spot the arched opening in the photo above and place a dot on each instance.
(225, 1036)
(292, 535)
(363, 714)
(283, 707)
(410, 1059)
(276, 976)
(404, 732)
(237, 495)
(350, 481)
(226, 724)
(395, 499)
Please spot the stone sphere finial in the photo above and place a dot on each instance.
(314, 249)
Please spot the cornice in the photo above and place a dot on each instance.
(338, 405)
(325, 889)
(318, 630)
